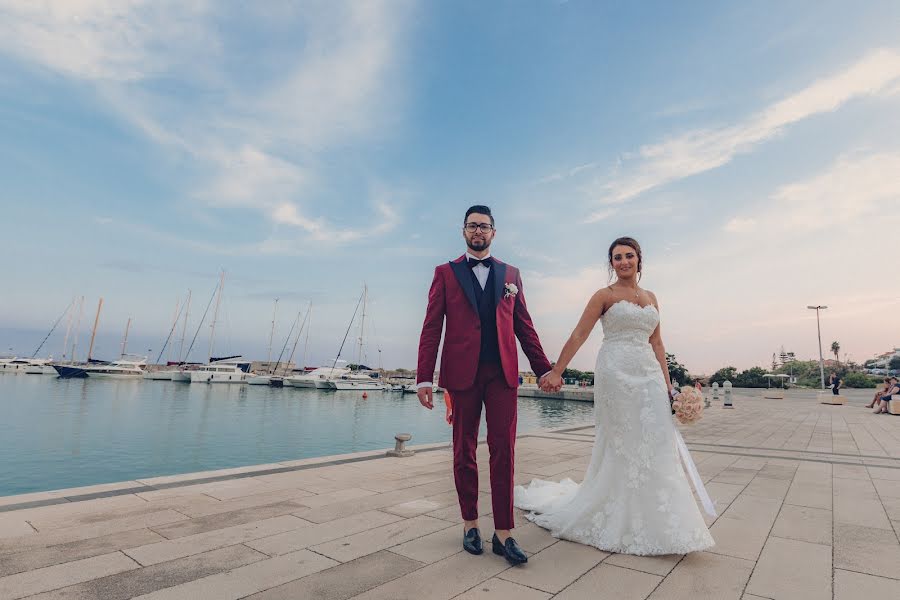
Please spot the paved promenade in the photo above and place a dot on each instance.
(808, 497)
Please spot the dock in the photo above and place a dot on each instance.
(808, 501)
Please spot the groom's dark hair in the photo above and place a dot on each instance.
(481, 209)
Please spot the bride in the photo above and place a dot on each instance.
(635, 497)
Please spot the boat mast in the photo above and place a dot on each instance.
(306, 343)
(94, 330)
(347, 333)
(212, 333)
(125, 339)
(52, 329)
(77, 328)
(299, 333)
(184, 328)
(69, 326)
(174, 325)
(272, 335)
(362, 326)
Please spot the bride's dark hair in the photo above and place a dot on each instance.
(631, 243)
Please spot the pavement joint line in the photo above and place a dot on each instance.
(790, 450)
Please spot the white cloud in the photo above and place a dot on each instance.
(701, 150)
(261, 147)
(740, 225)
(851, 189)
(108, 40)
(601, 215)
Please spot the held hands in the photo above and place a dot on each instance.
(551, 382)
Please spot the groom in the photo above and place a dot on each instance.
(482, 301)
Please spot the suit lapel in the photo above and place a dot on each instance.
(499, 280)
(464, 277)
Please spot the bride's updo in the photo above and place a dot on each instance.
(631, 243)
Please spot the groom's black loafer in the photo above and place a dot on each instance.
(472, 541)
(510, 550)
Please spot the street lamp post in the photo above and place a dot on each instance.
(819, 328)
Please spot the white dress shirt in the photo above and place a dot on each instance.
(481, 271)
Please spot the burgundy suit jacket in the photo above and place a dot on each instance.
(452, 296)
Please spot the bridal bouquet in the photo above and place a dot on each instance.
(688, 405)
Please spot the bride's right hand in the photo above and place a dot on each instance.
(551, 382)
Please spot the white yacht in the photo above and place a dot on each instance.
(224, 371)
(317, 378)
(160, 375)
(182, 375)
(27, 366)
(40, 366)
(357, 380)
(13, 365)
(124, 368)
(254, 379)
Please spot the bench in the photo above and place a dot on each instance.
(894, 406)
(827, 397)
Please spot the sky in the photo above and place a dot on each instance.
(311, 148)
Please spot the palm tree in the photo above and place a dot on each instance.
(835, 349)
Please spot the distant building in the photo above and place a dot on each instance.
(786, 357)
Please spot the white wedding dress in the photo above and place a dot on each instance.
(635, 497)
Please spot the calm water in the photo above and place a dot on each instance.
(57, 433)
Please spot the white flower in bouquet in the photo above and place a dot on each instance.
(688, 405)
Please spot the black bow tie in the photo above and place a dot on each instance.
(473, 262)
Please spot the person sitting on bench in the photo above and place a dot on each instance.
(893, 391)
(880, 393)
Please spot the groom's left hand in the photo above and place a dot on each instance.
(425, 397)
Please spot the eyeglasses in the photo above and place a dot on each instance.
(482, 227)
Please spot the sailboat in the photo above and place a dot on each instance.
(35, 365)
(73, 370)
(265, 379)
(229, 369)
(167, 373)
(362, 378)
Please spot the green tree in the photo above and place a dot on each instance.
(576, 375)
(677, 371)
(859, 380)
(835, 349)
(722, 374)
(751, 378)
(895, 363)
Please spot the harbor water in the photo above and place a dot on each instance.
(62, 433)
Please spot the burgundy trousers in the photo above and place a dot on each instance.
(500, 403)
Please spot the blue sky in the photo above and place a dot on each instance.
(309, 147)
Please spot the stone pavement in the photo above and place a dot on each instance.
(808, 497)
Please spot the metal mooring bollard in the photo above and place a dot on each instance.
(726, 403)
(399, 449)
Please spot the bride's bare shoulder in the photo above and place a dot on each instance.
(601, 299)
(653, 299)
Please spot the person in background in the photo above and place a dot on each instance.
(886, 397)
(835, 382)
(880, 393)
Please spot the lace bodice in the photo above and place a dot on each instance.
(629, 322)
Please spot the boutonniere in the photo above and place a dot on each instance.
(511, 290)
